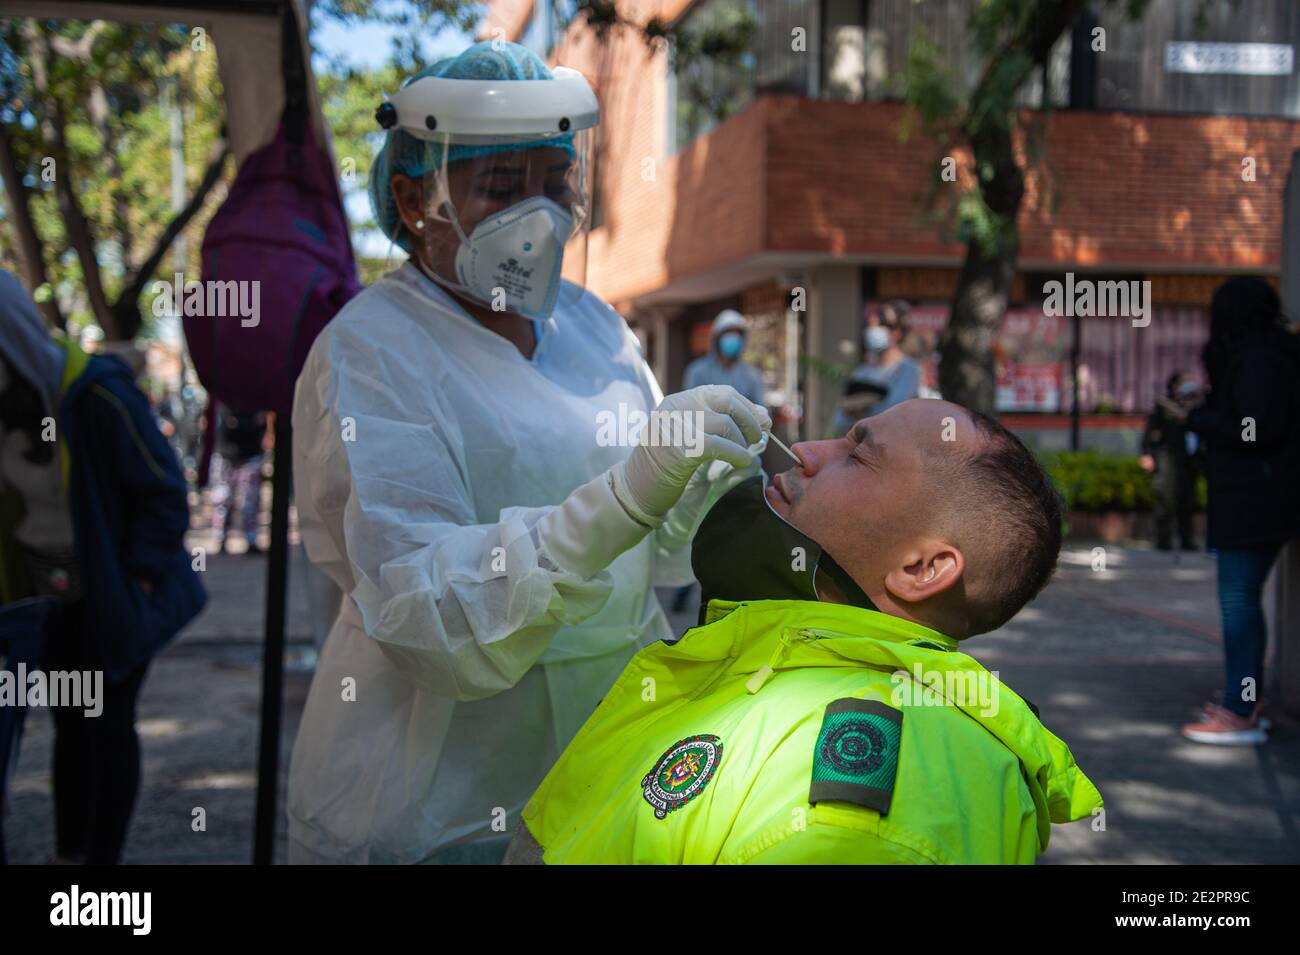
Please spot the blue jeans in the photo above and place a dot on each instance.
(1242, 572)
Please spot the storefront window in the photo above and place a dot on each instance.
(1122, 367)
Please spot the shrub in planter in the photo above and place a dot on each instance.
(1093, 482)
(1107, 496)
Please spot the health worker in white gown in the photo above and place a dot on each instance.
(462, 473)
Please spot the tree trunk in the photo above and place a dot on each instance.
(31, 253)
(966, 369)
(98, 110)
(74, 220)
(80, 237)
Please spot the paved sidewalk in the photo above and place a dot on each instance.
(1114, 659)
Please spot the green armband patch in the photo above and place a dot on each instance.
(856, 758)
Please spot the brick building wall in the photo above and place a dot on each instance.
(1133, 193)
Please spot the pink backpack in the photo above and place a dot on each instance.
(282, 227)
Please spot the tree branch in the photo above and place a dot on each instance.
(97, 107)
(31, 251)
(1035, 38)
(74, 220)
(78, 50)
(126, 309)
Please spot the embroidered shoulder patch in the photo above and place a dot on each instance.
(681, 773)
(856, 758)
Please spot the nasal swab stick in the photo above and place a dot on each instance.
(777, 441)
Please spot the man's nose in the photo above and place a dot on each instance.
(807, 457)
(813, 453)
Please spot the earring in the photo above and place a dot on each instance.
(419, 224)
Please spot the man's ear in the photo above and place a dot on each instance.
(926, 571)
(408, 193)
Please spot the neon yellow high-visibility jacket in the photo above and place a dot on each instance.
(795, 731)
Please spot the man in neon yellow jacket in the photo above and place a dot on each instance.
(823, 713)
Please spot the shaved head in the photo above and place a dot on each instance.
(1000, 503)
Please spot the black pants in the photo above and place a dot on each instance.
(1174, 489)
(96, 766)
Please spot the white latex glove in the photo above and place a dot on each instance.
(711, 423)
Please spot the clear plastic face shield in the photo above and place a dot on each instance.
(507, 187)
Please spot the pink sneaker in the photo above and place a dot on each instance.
(1220, 727)
(1264, 722)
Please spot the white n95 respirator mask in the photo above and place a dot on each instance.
(512, 260)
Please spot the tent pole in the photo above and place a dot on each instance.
(268, 756)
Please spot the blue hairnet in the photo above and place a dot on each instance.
(403, 153)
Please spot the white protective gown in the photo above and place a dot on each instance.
(462, 659)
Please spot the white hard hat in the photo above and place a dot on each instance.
(728, 320)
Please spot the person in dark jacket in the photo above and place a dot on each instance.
(128, 586)
(1250, 424)
(1169, 455)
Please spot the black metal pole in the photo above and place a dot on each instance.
(1076, 326)
(277, 577)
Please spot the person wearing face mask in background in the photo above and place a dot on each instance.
(722, 365)
(460, 475)
(1169, 455)
(888, 376)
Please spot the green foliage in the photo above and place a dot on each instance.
(1000, 36)
(929, 85)
(712, 56)
(710, 49)
(127, 202)
(950, 115)
(349, 96)
(1093, 482)
(371, 270)
(830, 372)
(979, 225)
(139, 67)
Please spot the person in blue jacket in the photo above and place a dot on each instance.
(124, 588)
